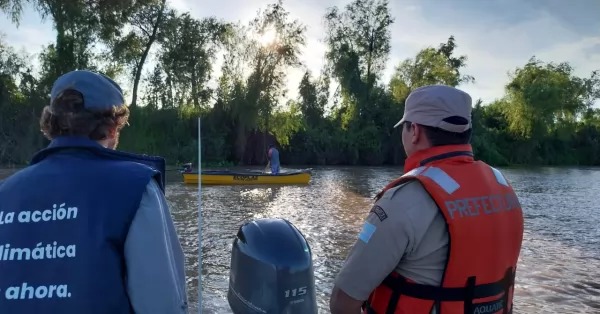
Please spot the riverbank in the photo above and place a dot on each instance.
(168, 167)
(230, 164)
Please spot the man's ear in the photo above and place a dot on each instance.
(416, 133)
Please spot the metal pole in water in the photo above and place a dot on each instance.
(199, 219)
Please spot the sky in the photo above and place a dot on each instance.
(496, 35)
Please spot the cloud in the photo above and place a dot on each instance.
(179, 5)
(495, 48)
(28, 39)
(31, 35)
(496, 35)
(308, 12)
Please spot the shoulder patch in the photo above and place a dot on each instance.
(377, 210)
(367, 232)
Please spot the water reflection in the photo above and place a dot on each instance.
(560, 252)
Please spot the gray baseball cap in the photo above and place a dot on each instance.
(430, 105)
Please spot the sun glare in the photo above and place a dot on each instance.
(268, 37)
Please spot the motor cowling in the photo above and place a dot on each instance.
(271, 270)
(187, 167)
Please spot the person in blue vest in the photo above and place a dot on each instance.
(85, 228)
(273, 156)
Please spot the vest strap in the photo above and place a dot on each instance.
(427, 292)
(400, 286)
(470, 294)
(445, 156)
(509, 281)
(367, 309)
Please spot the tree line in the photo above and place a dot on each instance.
(342, 115)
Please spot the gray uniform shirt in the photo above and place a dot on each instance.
(154, 258)
(404, 232)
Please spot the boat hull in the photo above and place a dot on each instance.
(247, 178)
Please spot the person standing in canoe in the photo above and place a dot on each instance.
(86, 229)
(273, 156)
(443, 238)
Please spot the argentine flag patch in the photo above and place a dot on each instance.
(367, 231)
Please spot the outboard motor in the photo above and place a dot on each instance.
(187, 167)
(271, 270)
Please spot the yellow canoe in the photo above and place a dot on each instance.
(226, 177)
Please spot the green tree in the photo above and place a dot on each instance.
(133, 48)
(545, 117)
(430, 66)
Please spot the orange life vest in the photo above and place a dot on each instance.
(485, 226)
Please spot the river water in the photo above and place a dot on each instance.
(559, 263)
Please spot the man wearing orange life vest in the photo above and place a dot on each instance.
(443, 238)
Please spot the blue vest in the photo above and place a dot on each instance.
(63, 224)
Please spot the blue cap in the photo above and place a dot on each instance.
(99, 92)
